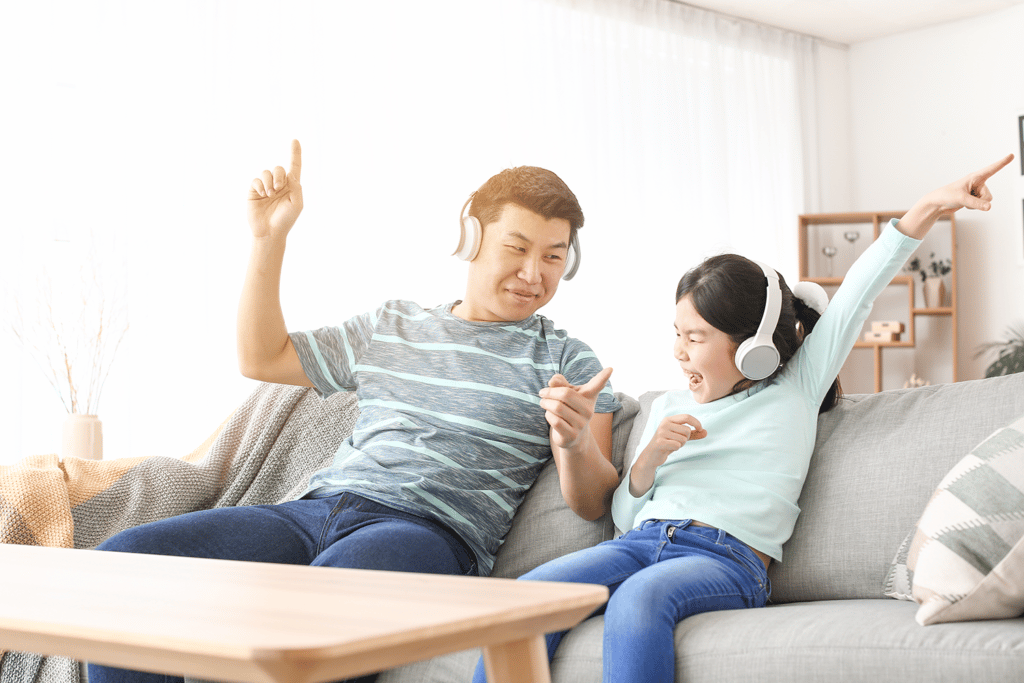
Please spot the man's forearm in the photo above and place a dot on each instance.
(262, 334)
(587, 477)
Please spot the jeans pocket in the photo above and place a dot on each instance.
(752, 563)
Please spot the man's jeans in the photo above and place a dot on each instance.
(658, 574)
(344, 530)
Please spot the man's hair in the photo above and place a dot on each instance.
(531, 187)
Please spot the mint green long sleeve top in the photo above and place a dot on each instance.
(745, 476)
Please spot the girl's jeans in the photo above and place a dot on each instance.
(344, 530)
(658, 574)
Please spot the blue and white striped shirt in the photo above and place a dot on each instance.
(450, 423)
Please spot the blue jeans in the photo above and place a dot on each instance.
(344, 530)
(657, 574)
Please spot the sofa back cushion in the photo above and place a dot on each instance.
(544, 527)
(876, 462)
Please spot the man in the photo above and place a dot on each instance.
(460, 405)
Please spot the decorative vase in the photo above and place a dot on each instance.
(934, 292)
(82, 437)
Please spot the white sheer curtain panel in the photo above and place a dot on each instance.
(133, 130)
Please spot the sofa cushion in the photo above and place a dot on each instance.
(967, 556)
(545, 527)
(854, 641)
(876, 462)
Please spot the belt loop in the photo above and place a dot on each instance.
(721, 537)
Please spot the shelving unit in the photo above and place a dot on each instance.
(810, 246)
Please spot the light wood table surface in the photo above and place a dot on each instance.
(256, 623)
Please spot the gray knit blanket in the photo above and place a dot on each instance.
(263, 453)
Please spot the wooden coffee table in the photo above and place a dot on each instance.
(254, 623)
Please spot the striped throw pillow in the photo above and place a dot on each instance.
(966, 560)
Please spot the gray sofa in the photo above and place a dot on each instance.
(877, 461)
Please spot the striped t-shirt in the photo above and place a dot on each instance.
(450, 424)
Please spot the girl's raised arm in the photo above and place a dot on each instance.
(969, 192)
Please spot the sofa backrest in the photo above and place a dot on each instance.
(877, 460)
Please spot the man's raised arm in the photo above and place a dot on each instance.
(264, 350)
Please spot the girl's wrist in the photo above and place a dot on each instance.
(922, 215)
(640, 479)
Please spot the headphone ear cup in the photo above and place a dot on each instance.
(757, 357)
(572, 259)
(470, 238)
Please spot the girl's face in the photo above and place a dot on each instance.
(706, 354)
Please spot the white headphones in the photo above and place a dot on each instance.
(757, 356)
(472, 233)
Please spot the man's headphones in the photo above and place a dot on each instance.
(757, 357)
(472, 233)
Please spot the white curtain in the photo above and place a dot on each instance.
(133, 130)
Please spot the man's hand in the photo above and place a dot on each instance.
(581, 444)
(671, 435)
(265, 351)
(569, 409)
(275, 198)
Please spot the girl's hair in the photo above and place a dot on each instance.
(728, 291)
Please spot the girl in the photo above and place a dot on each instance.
(712, 495)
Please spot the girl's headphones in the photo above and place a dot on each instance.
(757, 357)
(471, 235)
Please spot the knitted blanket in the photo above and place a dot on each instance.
(263, 453)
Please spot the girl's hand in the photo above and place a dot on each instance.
(671, 435)
(275, 198)
(970, 192)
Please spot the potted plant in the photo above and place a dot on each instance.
(931, 276)
(1009, 353)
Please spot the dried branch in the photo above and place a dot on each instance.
(74, 348)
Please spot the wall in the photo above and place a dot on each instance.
(834, 186)
(927, 107)
(832, 189)
(142, 124)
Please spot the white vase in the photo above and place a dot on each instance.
(82, 437)
(934, 292)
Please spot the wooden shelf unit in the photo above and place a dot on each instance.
(878, 221)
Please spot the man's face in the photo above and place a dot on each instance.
(521, 260)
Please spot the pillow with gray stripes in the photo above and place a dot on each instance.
(965, 559)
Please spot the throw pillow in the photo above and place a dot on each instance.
(966, 559)
(899, 582)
